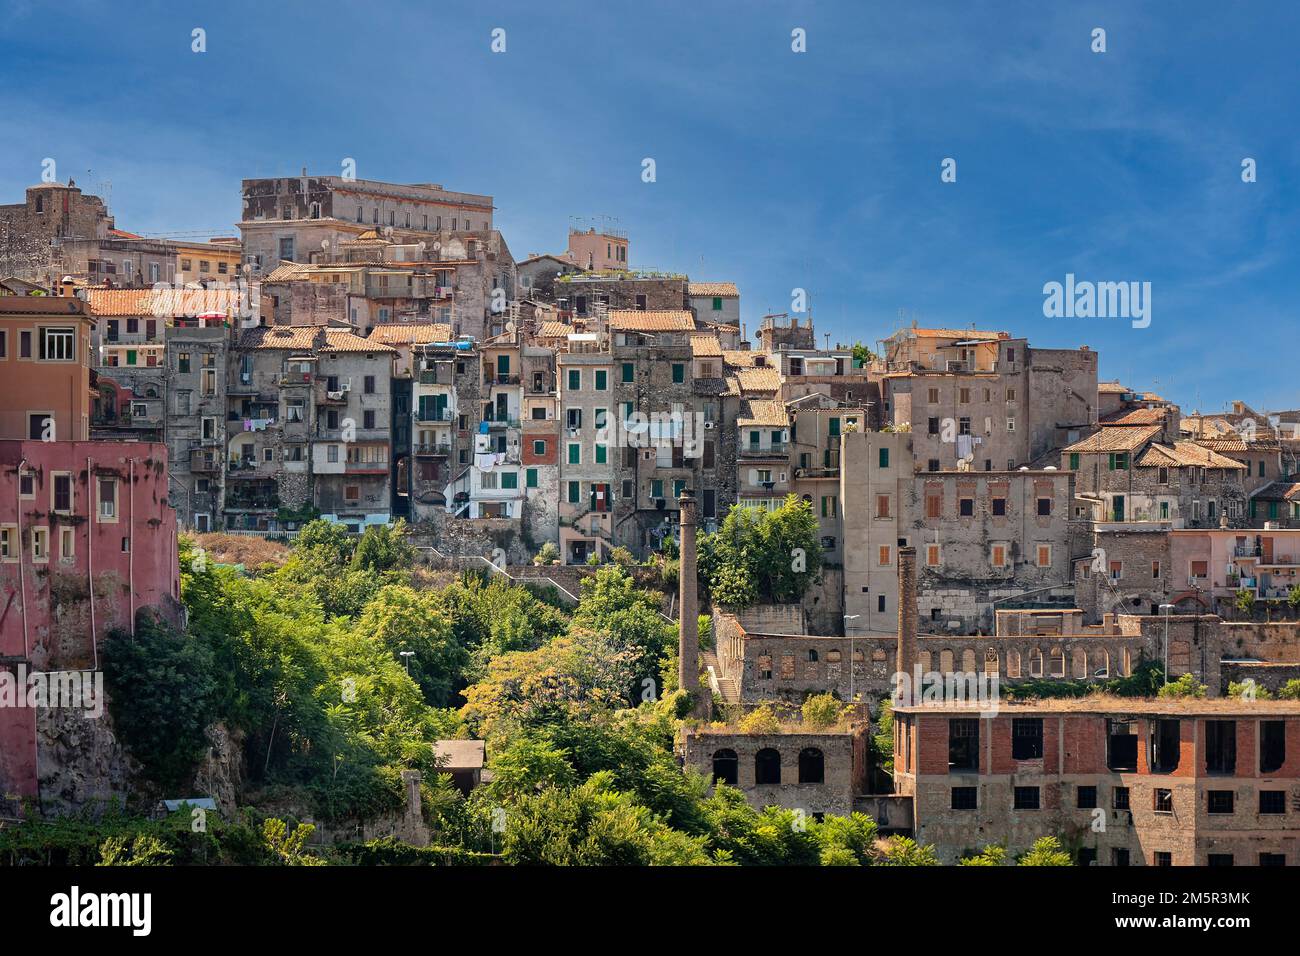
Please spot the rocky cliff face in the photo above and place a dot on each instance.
(221, 772)
(82, 765)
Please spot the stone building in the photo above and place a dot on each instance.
(715, 303)
(1173, 783)
(198, 417)
(588, 446)
(798, 767)
(985, 397)
(1130, 473)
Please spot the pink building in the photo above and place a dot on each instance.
(1218, 562)
(87, 539)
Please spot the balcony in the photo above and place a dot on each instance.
(433, 376)
(777, 450)
(241, 386)
(1245, 551)
(432, 449)
(204, 462)
(504, 380)
(425, 415)
(366, 468)
(333, 396)
(495, 424)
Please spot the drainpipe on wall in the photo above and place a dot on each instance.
(91, 511)
(22, 578)
(130, 550)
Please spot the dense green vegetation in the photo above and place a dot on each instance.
(338, 670)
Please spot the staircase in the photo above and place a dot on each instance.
(725, 686)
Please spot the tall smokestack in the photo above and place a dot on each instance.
(907, 620)
(688, 641)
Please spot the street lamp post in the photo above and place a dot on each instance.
(1167, 609)
(406, 659)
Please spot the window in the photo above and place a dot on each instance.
(602, 380)
(575, 379)
(509, 480)
(40, 544)
(1086, 798)
(1026, 798)
(1026, 738)
(932, 555)
(9, 543)
(964, 798)
(1219, 801)
(963, 743)
(1119, 857)
(575, 492)
(767, 767)
(1121, 745)
(882, 506)
(1220, 746)
(812, 766)
(58, 344)
(884, 556)
(1164, 858)
(726, 767)
(1119, 798)
(575, 453)
(628, 373)
(966, 507)
(539, 446)
(61, 493)
(573, 417)
(1074, 461)
(1272, 801)
(4, 343)
(1165, 753)
(830, 505)
(107, 499)
(368, 418)
(1272, 745)
(934, 504)
(884, 458)
(369, 384)
(1044, 507)
(679, 373)
(999, 556)
(66, 544)
(24, 344)
(932, 426)
(1044, 555)
(999, 506)
(602, 455)
(1272, 859)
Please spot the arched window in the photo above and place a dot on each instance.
(1057, 658)
(767, 766)
(725, 767)
(313, 211)
(812, 766)
(812, 656)
(1036, 663)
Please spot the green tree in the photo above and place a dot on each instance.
(761, 555)
(904, 851)
(991, 855)
(1046, 851)
(1186, 686)
(403, 619)
(823, 710)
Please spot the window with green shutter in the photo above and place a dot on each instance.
(575, 492)
(679, 373)
(601, 454)
(1074, 461)
(602, 380)
(835, 427)
(503, 365)
(575, 379)
(539, 446)
(657, 488)
(717, 303)
(678, 487)
(627, 372)
(530, 478)
(575, 454)
(884, 458)
(509, 480)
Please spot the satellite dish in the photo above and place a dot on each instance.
(388, 232)
(325, 244)
(510, 326)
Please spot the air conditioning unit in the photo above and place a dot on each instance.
(709, 426)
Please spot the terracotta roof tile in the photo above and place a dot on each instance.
(162, 303)
(410, 333)
(706, 346)
(633, 320)
(1136, 416)
(341, 340)
(763, 412)
(555, 330)
(1185, 454)
(759, 379)
(1115, 438)
(294, 338)
(726, 290)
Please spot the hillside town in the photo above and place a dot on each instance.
(982, 511)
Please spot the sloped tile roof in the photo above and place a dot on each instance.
(706, 346)
(633, 320)
(410, 333)
(341, 340)
(1115, 438)
(762, 412)
(1185, 454)
(726, 290)
(161, 303)
(1136, 416)
(759, 379)
(293, 337)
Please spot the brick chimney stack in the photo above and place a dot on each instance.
(907, 613)
(688, 601)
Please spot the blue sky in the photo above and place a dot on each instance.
(777, 170)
